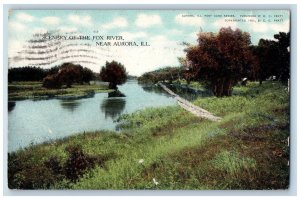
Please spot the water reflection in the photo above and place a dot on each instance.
(11, 105)
(189, 93)
(70, 105)
(29, 120)
(182, 90)
(116, 93)
(153, 89)
(113, 107)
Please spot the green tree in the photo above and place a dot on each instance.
(114, 73)
(87, 75)
(272, 58)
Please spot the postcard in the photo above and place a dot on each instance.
(148, 99)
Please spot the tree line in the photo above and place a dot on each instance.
(220, 60)
(166, 74)
(67, 74)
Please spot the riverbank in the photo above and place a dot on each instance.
(169, 148)
(34, 90)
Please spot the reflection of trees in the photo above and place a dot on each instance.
(115, 93)
(182, 90)
(70, 105)
(113, 107)
(153, 89)
(11, 105)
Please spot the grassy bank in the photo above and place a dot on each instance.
(169, 148)
(34, 90)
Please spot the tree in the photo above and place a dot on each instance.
(67, 74)
(283, 68)
(70, 73)
(52, 82)
(266, 54)
(28, 73)
(169, 74)
(87, 75)
(114, 73)
(272, 58)
(220, 59)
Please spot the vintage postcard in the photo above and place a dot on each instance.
(148, 99)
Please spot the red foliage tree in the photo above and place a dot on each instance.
(114, 73)
(70, 73)
(220, 59)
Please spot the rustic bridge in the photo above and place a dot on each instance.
(199, 112)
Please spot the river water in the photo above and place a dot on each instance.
(33, 122)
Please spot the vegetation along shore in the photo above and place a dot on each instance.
(169, 148)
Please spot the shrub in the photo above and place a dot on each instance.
(52, 82)
(77, 163)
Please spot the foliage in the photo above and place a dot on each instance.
(30, 73)
(46, 172)
(272, 58)
(55, 77)
(220, 59)
(114, 73)
(168, 74)
(77, 163)
(67, 74)
(52, 81)
(87, 75)
(27, 73)
(36, 90)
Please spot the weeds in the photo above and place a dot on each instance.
(232, 162)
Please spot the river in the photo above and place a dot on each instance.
(37, 121)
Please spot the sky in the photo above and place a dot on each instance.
(163, 30)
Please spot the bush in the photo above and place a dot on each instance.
(77, 163)
(52, 82)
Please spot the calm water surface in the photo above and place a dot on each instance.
(32, 122)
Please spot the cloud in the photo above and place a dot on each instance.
(189, 21)
(16, 26)
(67, 29)
(80, 20)
(14, 46)
(259, 27)
(146, 21)
(284, 27)
(264, 27)
(39, 30)
(119, 22)
(132, 36)
(50, 20)
(175, 32)
(24, 17)
(225, 22)
(138, 60)
(162, 52)
(194, 36)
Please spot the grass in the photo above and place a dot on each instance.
(247, 149)
(34, 90)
